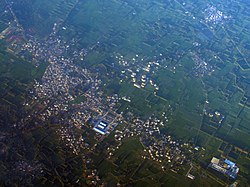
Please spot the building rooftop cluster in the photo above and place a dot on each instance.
(215, 117)
(31, 168)
(139, 70)
(225, 166)
(215, 16)
(63, 82)
(159, 147)
(62, 76)
(67, 135)
(201, 67)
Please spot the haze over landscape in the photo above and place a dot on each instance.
(124, 93)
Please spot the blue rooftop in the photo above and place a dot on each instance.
(101, 127)
(230, 163)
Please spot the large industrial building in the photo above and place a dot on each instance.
(101, 127)
(224, 166)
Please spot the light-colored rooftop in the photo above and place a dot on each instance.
(215, 160)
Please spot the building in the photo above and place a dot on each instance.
(101, 127)
(224, 166)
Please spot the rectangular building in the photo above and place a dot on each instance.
(224, 166)
(101, 127)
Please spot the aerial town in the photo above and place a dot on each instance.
(126, 117)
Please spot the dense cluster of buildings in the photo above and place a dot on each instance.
(214, 16)
(139, 70)
(224, 166)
